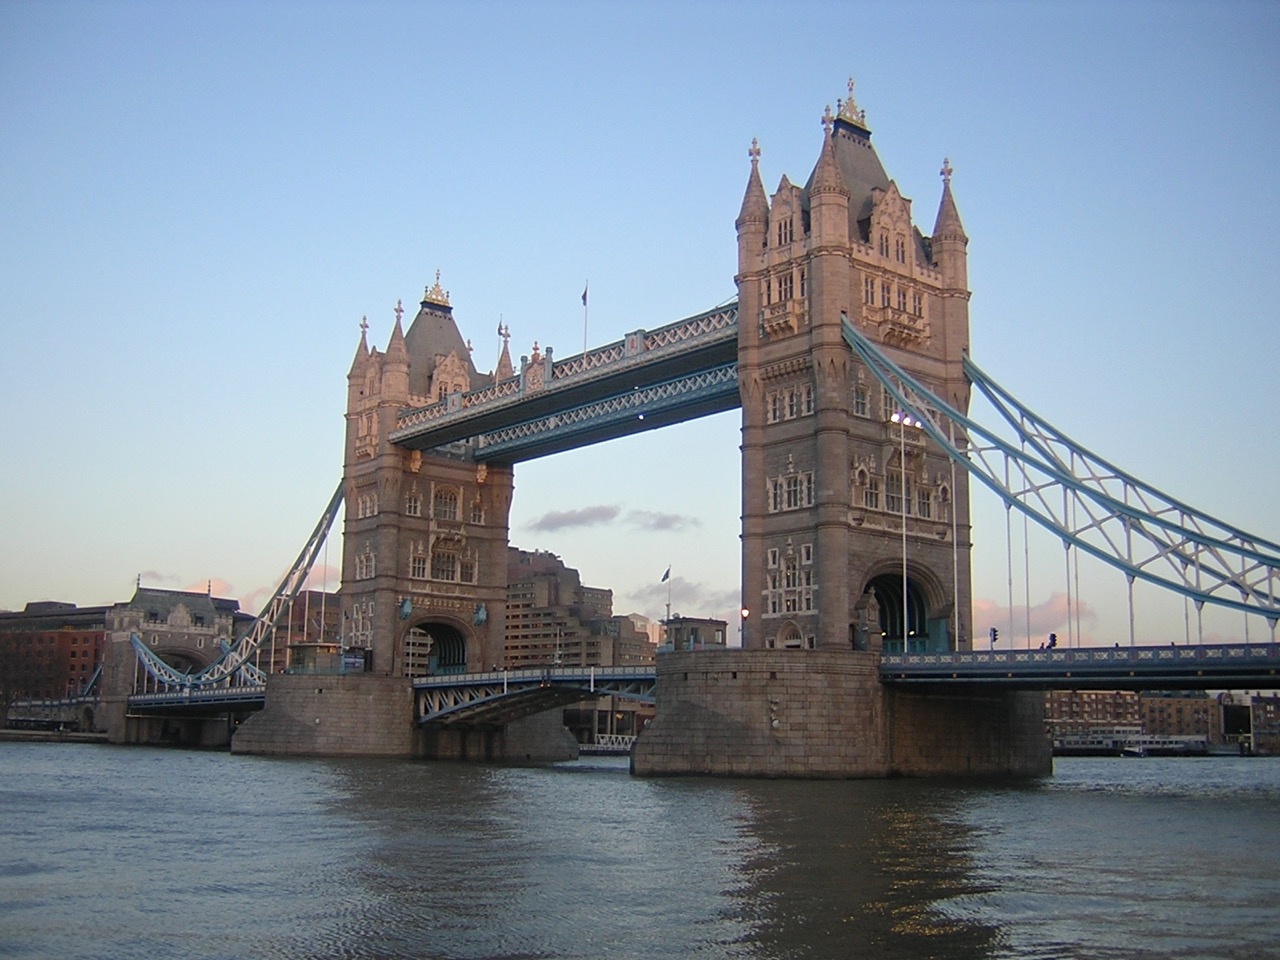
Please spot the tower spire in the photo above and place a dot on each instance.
(505, 369)
(755, 206)
(362, 351)
(947, 226)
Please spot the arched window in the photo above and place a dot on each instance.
(444, 505)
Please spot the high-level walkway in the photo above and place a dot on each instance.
(649, 379)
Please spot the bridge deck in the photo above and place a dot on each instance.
(1216, 666)
(494, 698)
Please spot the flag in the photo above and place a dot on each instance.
(666, 576)
(584, 293)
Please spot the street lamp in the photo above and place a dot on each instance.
(903, 420)
(742, 625)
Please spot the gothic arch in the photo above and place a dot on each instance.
(434, 645)
(183, 658)
(789, 636)
(926, 598)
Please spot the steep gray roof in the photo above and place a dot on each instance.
(162, 602)
(861, 170)
(433, 333)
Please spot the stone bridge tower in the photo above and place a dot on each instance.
(424, 556)
(855, 529)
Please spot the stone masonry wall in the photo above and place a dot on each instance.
(541, 738)
(369, 715)
(982, 732)
(339, 715)
(765, 713)
(825, 714)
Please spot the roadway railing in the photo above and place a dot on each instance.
(1207, 665)
(248, 694)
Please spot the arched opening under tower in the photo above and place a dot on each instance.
(920, 633)
(433, 648)
(181, 660)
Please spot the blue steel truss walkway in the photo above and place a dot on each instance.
(495, 698)
(649, 379)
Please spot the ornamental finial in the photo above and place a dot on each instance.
(435, 294)
(848, 109)
(364, 325)
(827, 119)
(946, 171)
(754, 151)
(399, 311)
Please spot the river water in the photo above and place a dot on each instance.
(141, 853)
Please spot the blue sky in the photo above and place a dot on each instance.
(202, 200)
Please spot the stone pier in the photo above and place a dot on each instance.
(825, 714)
(372, 716)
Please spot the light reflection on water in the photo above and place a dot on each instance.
(145, 853)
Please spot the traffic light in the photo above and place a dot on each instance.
(995, 635)
(1053, 640)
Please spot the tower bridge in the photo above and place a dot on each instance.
(847, 352)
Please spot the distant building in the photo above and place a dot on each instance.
(694, 633)
(650, 628)
(1075, 712)
(554, 620)
(1265, 717)
(1251, 721)
(313, 621)
(50, 650)
(186, 629)
(1085, 715)
(1181, 713)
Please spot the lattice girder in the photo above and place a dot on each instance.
(234, 665)
(1104, 511)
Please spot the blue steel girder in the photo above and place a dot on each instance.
(1106, 513)
(1208, 666)
(642, 359)
(233, 666)
(635, 411)
(494, 698)
(200, 700)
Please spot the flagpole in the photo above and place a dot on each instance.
(585, 309)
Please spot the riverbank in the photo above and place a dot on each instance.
(50, 736)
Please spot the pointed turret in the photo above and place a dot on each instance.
(395, 364)
(505, 369)
(755, 206)
(828, 193)
(358, 375)
(360, 362)
(949, 240)
(947, 226)
(753, 218)
(826, 175)
(396, 350)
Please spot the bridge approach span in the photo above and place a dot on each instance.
(496, 698)
(1203, 667)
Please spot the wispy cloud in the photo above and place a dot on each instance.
(586, 517)
(217, 587)
(155, 578)
(1048, 616)
(654, 520)
(687, 597)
